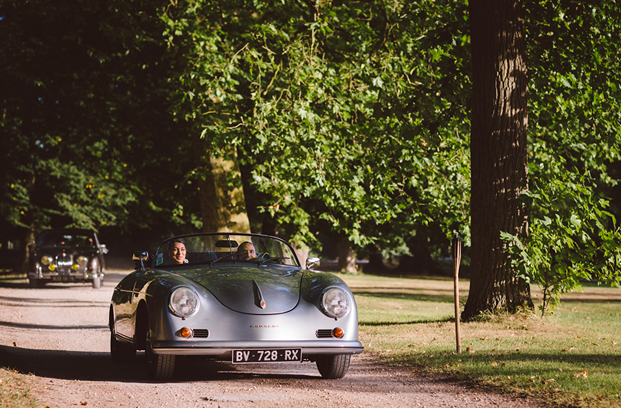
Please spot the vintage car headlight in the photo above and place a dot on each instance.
(46, 259)
(184, 302)
(335, 302)
(82, 259)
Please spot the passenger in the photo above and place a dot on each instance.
(246, 251)
(177, 251)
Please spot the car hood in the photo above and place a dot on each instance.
(252, 290)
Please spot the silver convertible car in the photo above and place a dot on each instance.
(241, 298)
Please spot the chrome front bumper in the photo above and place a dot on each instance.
(223, 350)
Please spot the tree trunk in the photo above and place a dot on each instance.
(29, 238)
(347, 258)
(376, 261)
(223, 205)
(498, 153)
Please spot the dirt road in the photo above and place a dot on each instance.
(59, 334)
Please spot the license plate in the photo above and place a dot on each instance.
(266, 356)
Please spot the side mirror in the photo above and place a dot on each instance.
(312, 262)
(141, 260)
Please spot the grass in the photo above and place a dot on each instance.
(14, 390)
(570, 358)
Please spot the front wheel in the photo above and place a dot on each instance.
(160, 367)
(97, 282)
(333, 366)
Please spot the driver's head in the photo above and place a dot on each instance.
(247, 251)
(176, 250)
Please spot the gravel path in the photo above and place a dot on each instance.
(59, 334)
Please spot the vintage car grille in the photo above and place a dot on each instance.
(203, 333)
(324, 333)
(64, 263)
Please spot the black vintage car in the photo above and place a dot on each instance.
(67, 255)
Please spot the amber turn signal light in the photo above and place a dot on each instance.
(338, 332)
(185, 332)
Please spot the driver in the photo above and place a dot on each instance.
(177, 251)
(246, 251)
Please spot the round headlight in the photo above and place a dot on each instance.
(82, 259)
(184, 302)
(335, 302)
(46, 259)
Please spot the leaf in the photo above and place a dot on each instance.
(575, 220)
(582, 374)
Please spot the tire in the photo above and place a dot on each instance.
(97, 283)
(121, 352)
(160, 367)
(333, 366)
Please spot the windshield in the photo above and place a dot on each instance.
(66, 238)
(222, 248)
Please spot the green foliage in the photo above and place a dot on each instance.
(354, 107)
(572, 239)
(84, 122)
(352, 119)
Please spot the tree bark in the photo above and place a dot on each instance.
(347, 258)
(498, 153)
(376, 261)
(223, 205)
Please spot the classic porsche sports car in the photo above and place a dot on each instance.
(241, 298)
(67, 255)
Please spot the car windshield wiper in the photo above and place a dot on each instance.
(277, 258)
(222, 257)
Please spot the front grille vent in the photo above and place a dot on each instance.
(64, 263)
(324, 333)
(202, 333)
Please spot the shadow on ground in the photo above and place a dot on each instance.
(98, 366)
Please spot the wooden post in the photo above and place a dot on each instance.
(456, 262)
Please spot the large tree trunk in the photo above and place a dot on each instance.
(223, 205)
(347, 258)
(498, 153)
(28, 239)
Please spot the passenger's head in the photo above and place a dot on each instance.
(176, 250)
(246, 250)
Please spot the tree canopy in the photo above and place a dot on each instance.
(85, 121)
(347, 119)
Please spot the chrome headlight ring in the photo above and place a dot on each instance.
(336, 303)
(183, 302)
(46, 260)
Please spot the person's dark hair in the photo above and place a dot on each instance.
(239, 248)
(172, 242)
